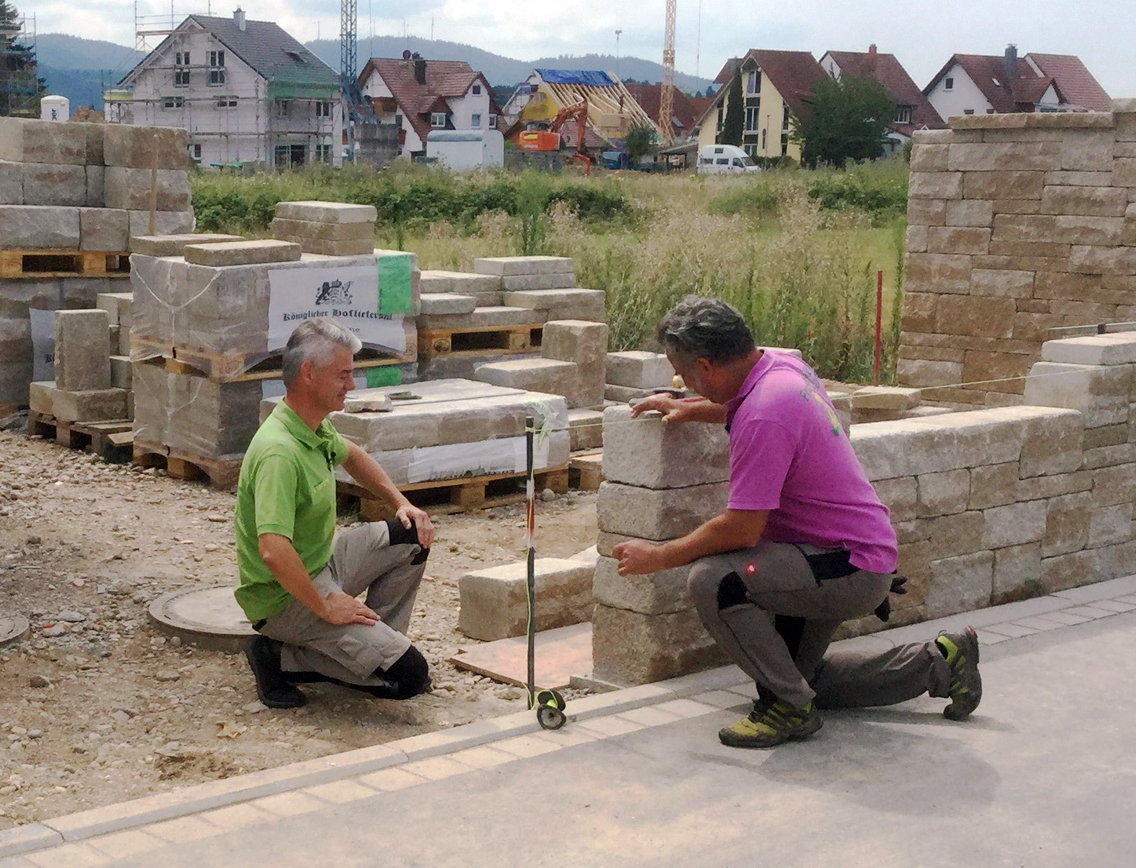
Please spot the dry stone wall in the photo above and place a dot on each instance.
(1017, 224)
(989, 505)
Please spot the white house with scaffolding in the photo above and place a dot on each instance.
(246, 91)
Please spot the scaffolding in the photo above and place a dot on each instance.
(19, 69)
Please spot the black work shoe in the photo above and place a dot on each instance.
(966, 683)
(273, 689)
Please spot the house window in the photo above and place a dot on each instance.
(477, 90)
(475, 122)
(173, 102)
(282, 107)
(991, 111)
(784, 118)
(438, 120)
(194, 153)
(226, 102)
(323, 153)
(753, 82)
(763, 140)
(968, 111)
(784, 144)
(948, 84)
(181, 73)
(323, 109)
(216, 67)
(398, 120)
(751, 119)
(493, 122)
(903, 114)
(721, 110)
(750, 149)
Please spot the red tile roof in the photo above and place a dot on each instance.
(445, 79)
(792, 73)
(1074, 81)
(889, 72)
(686, 110)
(988, 72)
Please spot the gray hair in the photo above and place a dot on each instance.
(705, 328)
(315, 340)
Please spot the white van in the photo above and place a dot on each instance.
(719, 159)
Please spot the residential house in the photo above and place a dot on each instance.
(912, 110)
(421, 95)
(776, 86)
(685, 114)
(987, 84)
(246, 91)
(612, 111)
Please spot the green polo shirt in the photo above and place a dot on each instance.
(286, 487)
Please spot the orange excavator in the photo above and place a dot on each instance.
(550, 139)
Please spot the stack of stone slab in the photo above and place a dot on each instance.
(83, 389)
(662, 482)
(889, 403)
(326, 228)
(451, 429)
(634, 374)
(70, 200)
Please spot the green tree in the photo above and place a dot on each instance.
(847, 120)
(639, 142)
(734, 122)
(20, 86)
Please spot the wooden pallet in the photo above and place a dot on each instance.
(458, 495)
(101, 438)
(36, 264)
(499, 340)
(222, 473)
(585, 471)
(231, 369)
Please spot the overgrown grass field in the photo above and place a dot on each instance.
(796, 251)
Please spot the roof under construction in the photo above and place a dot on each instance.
(606, 95)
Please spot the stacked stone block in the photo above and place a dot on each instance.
(662, 482)
(634, 374)
(494, 601)
(82, 390)
(326, 228)
(1018, 224)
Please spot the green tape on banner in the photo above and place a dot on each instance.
(394, 284)
(387, 375)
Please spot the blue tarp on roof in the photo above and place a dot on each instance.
(591, 78)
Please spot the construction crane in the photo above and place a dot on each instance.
(666, 90)
(551, 140)
(353, 104)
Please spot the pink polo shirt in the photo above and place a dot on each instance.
(789, 455)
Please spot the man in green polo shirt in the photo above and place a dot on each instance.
(299, 580)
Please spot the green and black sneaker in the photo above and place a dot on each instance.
(961, 651)
(770, 724)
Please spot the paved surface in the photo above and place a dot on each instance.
(1044, 774)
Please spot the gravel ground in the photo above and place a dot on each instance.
(96, 706)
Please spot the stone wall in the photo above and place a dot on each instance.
(989, 505)
(1017, 224)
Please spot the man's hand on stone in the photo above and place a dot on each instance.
(410, 515)
(340, 608)
(673, 409)
(637, 557)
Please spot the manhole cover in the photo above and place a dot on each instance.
(12, 628)
(207, 617)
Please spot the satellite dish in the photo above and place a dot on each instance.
(406, 54)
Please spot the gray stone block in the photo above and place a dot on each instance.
(646, 453)
(312, 230)
(320, 247)
(437, 304)
(104, 229)
(512, 266)
(132, 147)
(116, 304)
(960, 584)
(33, 141)
(658, 593)
(494, 602)
(40, 396)
(18, 296)
(639, 370)
(225, 253)
(100, 405)
(11, 183)
(658, 514)
(538, 375)
(633, 648)
(885, 398)
(211, 419)
(484, 317)
(174, 245)
(96, 186)
(165, 222)
(327, 212)
(623, 394)
(563, 280)
(130, 189)
(584, 304)
(585, 428)
(585, 344)
(82, 350)
(54, 184)
(15, 339)
(151, 390)
(29, 227)
(121, 372)
(1100, 393)
(462, 367)
(14, 380)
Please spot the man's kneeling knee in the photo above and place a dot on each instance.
(401, 536)
(407, 677)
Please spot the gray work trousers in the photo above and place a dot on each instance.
(777, 580)
(362, 560)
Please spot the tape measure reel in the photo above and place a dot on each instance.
(550, 709)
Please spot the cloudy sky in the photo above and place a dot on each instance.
(922, 35)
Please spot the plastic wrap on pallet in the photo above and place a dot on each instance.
(152, 388)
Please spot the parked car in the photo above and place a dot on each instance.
(723, 159)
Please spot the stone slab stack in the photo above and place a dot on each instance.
(69, 204)
(1018, 224)
(327, 228)
(453, 429)
(662, 482)
(83, 390)
(494, 601)
(634, 374)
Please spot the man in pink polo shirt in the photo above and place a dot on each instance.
(803, 545)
